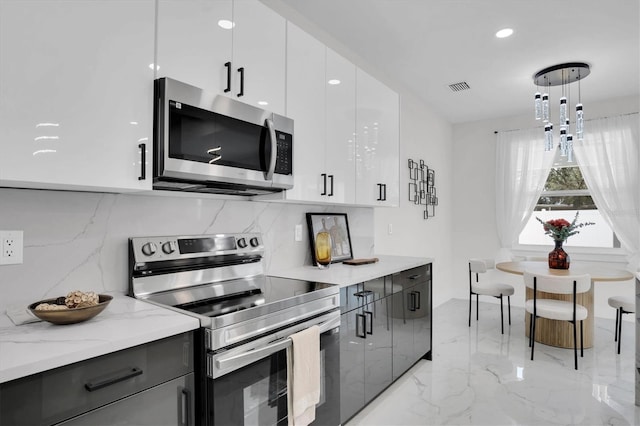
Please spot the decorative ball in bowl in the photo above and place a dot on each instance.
(76, 307)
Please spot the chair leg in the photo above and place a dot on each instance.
(501, 315)
(615, 335)
(575, 345)
(581, 340)
(509, 304)
(533, 333)
(477, 310)
(470, 296)
(619, 330)
(530, 328)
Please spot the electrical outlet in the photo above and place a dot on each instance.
(10, 247)
(298, 232)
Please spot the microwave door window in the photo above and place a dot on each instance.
(206, 137)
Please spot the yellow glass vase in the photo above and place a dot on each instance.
(323, 247)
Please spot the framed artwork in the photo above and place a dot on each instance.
(337, 225)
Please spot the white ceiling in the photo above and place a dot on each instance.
(425, 45)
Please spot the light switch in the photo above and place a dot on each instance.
(298, 232)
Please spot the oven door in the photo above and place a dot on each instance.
(255, 392)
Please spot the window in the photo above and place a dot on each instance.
(566, 192)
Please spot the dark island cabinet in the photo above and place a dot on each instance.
(385, 329)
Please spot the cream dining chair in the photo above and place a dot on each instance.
(622, 305)
(560, 310)
(498, 290)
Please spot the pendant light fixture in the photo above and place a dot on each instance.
(560, 75)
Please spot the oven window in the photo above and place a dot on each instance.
(199, 135)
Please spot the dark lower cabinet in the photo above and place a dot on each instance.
(386, 328)
(365, 348)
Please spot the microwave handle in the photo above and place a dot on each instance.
(274, 150)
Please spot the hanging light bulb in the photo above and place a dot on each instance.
(548, 137)
(563, 142)
(538, 105)
(545, 107)
(569, 148)
(579, 122)
(563, 109)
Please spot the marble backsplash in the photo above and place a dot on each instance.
(78, 240)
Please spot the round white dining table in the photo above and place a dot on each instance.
(560, 333)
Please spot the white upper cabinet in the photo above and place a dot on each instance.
(340, 107)
(195, 43)
(377, 143)
(232, 47)
(306, 106)
(259, 46)
(76, 89)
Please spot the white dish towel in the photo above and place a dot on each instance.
(303, 376)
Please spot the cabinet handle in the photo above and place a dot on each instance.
(119, 376)
(415, 277)
(379, 192)
(361, 324)
(185, 397)
(330, 186)
(412, 301)
(143, 161)
(324, 184)
(228, 65)
(370, 314)
(241, 71)
(384, 187)
(418, 294)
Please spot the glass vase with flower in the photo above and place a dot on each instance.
(560, 230)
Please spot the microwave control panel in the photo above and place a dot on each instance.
(284, 157)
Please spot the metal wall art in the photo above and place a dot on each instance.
(422, 190)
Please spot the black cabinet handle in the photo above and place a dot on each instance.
(143, 161)
(412, 301)
(415, 277)
(228, 65)
(117, 377)
(370, 314)
(185, 398)
(330, 186)
(241, 71)
(379, 192)
(361, 324)
(418, 299)
(324, 184)
(384, 192)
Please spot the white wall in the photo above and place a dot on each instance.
(475, 230)
(424, 136)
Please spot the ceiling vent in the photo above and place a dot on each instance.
(458, 87)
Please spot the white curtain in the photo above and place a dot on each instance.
(522, 167)
(609, 158)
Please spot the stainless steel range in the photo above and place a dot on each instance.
(246, 319)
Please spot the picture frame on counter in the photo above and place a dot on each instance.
(337, 225)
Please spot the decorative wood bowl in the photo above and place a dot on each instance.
(72, 315)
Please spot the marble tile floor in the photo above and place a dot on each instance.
(481, 377)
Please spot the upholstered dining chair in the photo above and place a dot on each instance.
(560, 310)
(622, 305)
(498, 290)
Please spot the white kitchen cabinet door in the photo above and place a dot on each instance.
(259, 45)
(377, 142)
(76, 91)
(306, 106)
(195, 42)
(340, 128)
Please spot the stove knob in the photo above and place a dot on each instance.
(169, 247)
(254, 242)
(149, 249)
(242, 243)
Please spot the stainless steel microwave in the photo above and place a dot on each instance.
(207, 142)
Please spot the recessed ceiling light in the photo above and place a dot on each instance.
(226, 24)
(263, 103)
(334, 81)
(505, 32)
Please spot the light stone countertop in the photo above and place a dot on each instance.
(36, 347)
(345, 275)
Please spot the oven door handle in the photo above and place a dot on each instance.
(246, 358)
